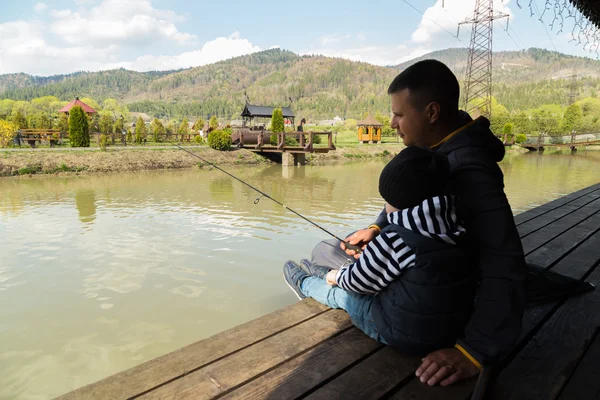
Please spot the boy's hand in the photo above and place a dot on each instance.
(360, 238)
(330, 277)
(446, 366)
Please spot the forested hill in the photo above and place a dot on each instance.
(318, 86)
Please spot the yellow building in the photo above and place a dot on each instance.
(369, 130)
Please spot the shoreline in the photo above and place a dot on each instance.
(29, 162)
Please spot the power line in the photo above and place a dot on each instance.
(517, 36)
(509, 35)
(537, 11)
(430, 20)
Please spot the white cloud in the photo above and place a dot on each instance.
(448, 17)
(215, 50)
(40, 7)
(116, 22)
(23, 48)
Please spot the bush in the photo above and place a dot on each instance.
(219, 140)
(198, 139)
(7, 133)
(289, 140)
(79, 131)
(556, 139)
(102, 141)
(520, 138)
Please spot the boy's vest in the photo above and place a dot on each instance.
(428, 306)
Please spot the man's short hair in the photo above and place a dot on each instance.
(428, 81)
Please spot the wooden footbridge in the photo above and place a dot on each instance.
(538, 143)
(309, 351)
(259, 141)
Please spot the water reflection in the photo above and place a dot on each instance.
(171, 257)
(85, 202)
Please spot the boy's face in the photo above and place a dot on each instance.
(411, 124)
(390, 209)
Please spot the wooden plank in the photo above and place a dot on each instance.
(584, 383)
(299, 375)
(543, 366)
(555, 229)
(227, 374)
(544, 208)
(372, 378)
(415, 389)
(550, 217)
(581, 255)
(562, 245)
(148, 375)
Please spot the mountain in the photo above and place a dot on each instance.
(317, 86)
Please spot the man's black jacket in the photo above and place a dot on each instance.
(478, 183)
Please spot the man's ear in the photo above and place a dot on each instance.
(433, 112)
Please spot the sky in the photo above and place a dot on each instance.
(64, 36)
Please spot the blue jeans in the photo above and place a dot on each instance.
(358, 306)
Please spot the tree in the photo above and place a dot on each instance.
(214, 122)
(522, 123)
(140, 130)
(92, 103)
(546, 123)
(199, 125)
(573, 119)
(507, 132)
(6, 106)
(94, 122)
(106, 123)
(7, 132)
(157, 129)
(184, 127)
(63, 122)
(500, 116)
(277, 124)
(19, 119)
(172, 127)
(79, 131)
(119, 125)
(42, 120)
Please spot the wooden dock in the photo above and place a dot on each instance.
(310, 351)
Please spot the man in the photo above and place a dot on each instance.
(425, 110)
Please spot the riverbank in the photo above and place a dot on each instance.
(92, 160)
(64, 161)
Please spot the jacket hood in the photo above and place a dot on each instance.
(476, 135)
(434, 218)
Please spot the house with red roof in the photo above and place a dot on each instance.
(87, 109)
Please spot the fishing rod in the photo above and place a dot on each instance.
(263, 194)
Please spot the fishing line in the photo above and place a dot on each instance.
(263, 194)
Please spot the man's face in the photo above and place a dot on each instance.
(411, 124)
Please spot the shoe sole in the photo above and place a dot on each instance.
(291, 287)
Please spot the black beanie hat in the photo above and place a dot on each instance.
(412, 176)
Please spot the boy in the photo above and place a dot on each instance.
(413, 285)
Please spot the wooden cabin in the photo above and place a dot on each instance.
(369, 130)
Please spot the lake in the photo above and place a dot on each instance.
(100, 273)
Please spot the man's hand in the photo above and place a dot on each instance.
(359, 238)
(446, 366)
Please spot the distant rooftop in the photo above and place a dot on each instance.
(87, 109)
(251, 111)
